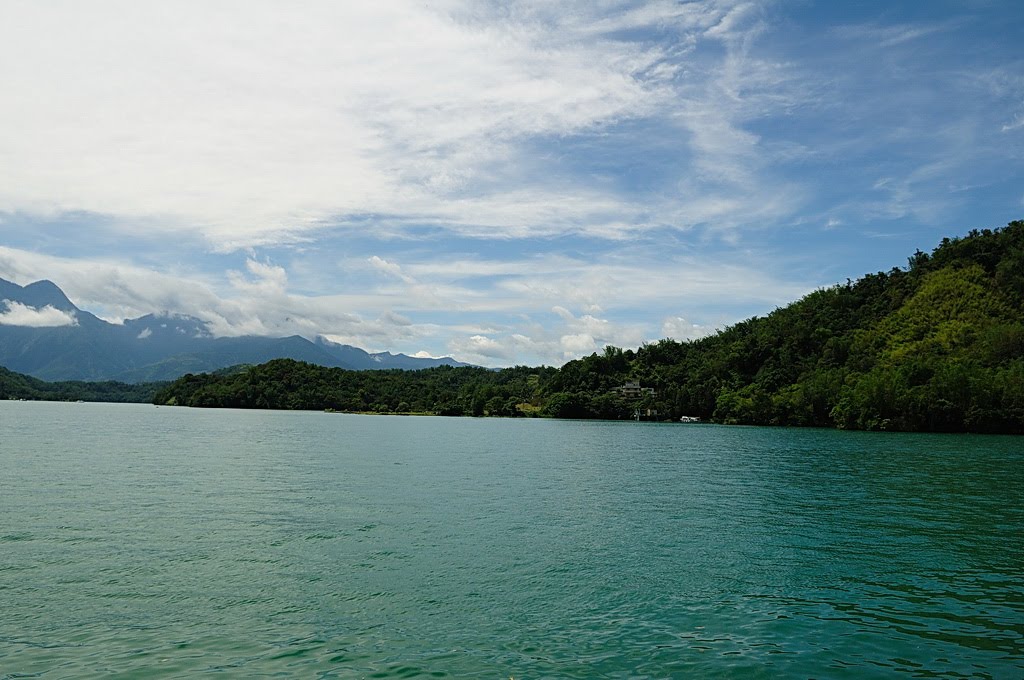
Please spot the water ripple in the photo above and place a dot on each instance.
(142, 542)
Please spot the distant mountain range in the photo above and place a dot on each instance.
(43, 334)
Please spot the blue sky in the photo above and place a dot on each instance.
(501, 182)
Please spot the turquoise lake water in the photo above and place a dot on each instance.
(144, 542)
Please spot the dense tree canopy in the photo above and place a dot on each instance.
(936, 346)
(289, 384)
(18, 386)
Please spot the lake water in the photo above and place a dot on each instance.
(144, 542)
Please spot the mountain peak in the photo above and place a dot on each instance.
(37, 295)
(156, 346)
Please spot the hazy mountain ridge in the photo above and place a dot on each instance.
(152, 347)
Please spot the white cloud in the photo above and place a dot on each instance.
(395, 319)
(1018, 122)
(678, 328)
(144, 333)
(562, 312)
(18, 314)
(258, 304)
(523, 310)
(381, 134)
(258, 126)
(892, 35)
(483, 347)
(577, 344)
(390, 268)
(551, 342)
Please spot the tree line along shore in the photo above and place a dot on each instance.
(935, 346)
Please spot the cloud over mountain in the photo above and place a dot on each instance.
(438, 177)
(17, 314)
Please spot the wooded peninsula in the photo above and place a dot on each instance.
(935, 346)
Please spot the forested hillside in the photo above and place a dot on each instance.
(289, 384)
(935, 346)
(18, 386)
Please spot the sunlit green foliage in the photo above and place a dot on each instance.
(937, 346)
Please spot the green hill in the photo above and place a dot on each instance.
(17, 386)
(937, 346)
